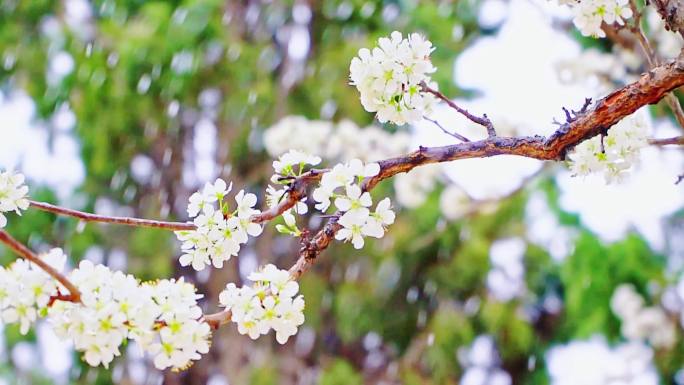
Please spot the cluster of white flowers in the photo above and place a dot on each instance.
(590, 14)
(13, 193)
(220, 232)
(481, 363)
(357, 220)
(271, 303)
(640, 322)
(162, 317)
(616, 153)
(390, 78)
(26, 290)
(336, 142)
(594, 362)
(288, 167)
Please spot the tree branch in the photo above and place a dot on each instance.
(26, 253)
(650, 88)
(454, 134)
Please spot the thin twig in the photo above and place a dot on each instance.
(677, 140)
(26, 253)
(454, 134)
(483, 121)
(88, 217)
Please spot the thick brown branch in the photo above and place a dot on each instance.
(26, 253)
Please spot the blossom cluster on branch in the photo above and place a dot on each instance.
(13, 193)
(589, 15)
(271, 303)
(220, 231)
(613, 154)
(390, 78)
(26, 290)
(163, 317)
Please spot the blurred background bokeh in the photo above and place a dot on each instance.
(497, 271)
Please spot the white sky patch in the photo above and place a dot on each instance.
(56, 354)
(53, 160)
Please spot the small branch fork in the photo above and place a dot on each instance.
(23, 251)
(650, 88)
(454, 134)
(483, 120)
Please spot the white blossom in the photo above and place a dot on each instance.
(271, 304)
(292, 163)
(162, 317)
(219, 233)
(13, 193)
(619, 152)
(590, 14)
(26, 290)
(390, 78)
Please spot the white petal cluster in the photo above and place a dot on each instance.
(271, 303)
(619, 153)
(162, 317)
(640, 322)
(12, 195)
(291, 164)
(220, 232)
(390, 76)
(342, 184)
(275, 196)
(26, 290)
(590, 14)
(337, 142)
(594, 362)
